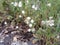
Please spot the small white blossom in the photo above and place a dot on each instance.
(20, 16)
(28, 18)
(42, 22)
(50, 22)
(34, 7)
(33, 29)
(23, 12)
(12, 32)
(27, 1)
(17, 27)
(29, 30)
(20, 4)
(49, 4)
(30, 25)
(5, 22)
(27, 22)
(32, 21)
(12, 2)
(50, 18)
(58, 36)
(15, 4)
(47, 22)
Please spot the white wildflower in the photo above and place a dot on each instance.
(20, 4)
(17, 27)
(49, 4)
(29, 30)
(20, 16)
(5, 22)
(15, 4)
(34, 7)
(12, 2)
(50, 22)
(23, 12)
(58, 36)
(33, 29)
(42, 22)
(32, 21)
(50, 18)
(30, 25)
(27, 1)
(12, 32)
(47, 22)
(27, 22)
(28, 18)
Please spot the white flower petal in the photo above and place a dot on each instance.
(32, 21)
(20, 16)
(15, 3)
(58, 36)
(23, 12)
(27, 1)
(17, 27)
(50, 17)
(28, 18)
(51, 24)
(27, 22)
(52, 21)
(5, 22)
(42, 22)
(12, 2)
(29, 30)
(49, 4)
(30, 25)
(20, 4)
(33, 6)
(36, 8)
(33, 29)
